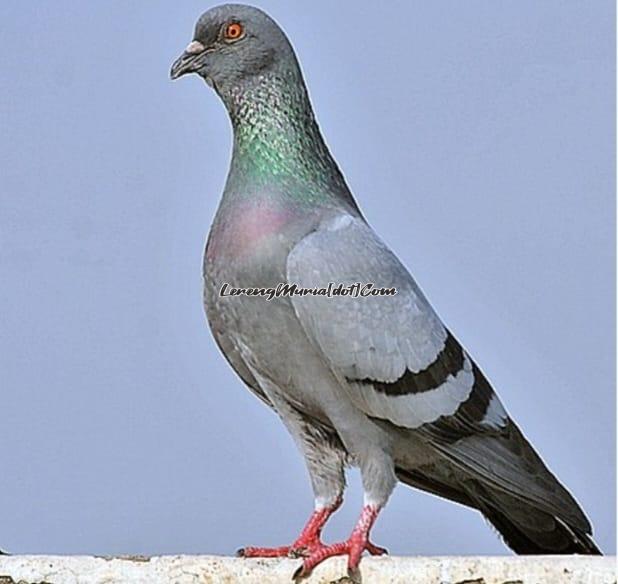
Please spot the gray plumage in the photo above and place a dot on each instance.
(378, 382)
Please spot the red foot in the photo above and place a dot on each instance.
(306, 544)
(357, 543)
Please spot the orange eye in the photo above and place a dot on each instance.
(233, 31)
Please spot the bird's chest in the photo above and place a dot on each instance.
(249, 243)
(247, 252)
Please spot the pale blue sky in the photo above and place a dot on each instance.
(478, 138)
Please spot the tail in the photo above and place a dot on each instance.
(528, 530)
(525, 527)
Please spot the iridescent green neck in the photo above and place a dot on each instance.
(277, 140)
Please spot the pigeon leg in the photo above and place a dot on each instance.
(356, 544)
(306, 543)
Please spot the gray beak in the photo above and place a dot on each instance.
(190, 61)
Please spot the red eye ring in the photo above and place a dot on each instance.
(233, 31)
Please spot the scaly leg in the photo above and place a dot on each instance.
(356, 544)
(307, 542)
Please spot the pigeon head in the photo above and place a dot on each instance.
(246, 57)
(232, 45)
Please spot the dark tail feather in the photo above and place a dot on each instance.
(529, 531)
(525, 529)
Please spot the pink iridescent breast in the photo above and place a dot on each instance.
(242, 229)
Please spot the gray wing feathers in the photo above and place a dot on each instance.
(376, 337)
(393, 350)
(507, 463)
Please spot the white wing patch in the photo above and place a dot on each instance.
(415, 409)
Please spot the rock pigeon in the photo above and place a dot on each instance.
(325, 325)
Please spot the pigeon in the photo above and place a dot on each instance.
(321, 320)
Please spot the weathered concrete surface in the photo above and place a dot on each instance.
(224, 570)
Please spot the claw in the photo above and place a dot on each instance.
(375, 550)
(298, 574)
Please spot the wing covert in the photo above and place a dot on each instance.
(401, 363)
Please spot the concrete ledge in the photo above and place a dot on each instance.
(224, 570)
